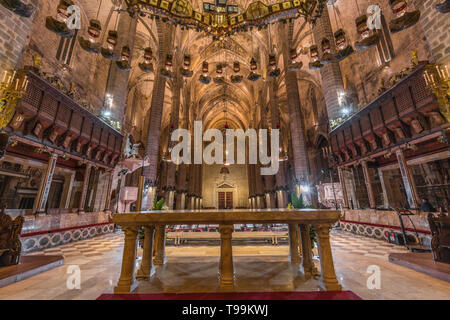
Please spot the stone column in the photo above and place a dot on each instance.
(294, 248)
(383, 186)
(69, 190)
(127, 281)
(84, 189)
(408, 181)
(160, 244)
(328, 280)
(108, 191)
(46, 184)
(344, 189)
(174, 121)
(331, 73)
(307, 262)
(299, 150)
(117, 83)
(226, 257)
(145, 270)
(368, 180)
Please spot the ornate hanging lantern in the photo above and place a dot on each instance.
(253, 76)
(147, 65)
(344, 49)
(59, 25)
(273, 70)
(236, 78)
(166, 72)
(124, 62)
(443, 7)
(219, 79)
(327, 57)
(18, 7)
(185, 72)
(404, 18)
(368, 40)
(205, 78)
(111, 42)
(294, 65)
(90, 44)
(315, 64)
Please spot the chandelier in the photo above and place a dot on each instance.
(221, 19)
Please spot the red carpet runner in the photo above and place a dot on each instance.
(313, 295)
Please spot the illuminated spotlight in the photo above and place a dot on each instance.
(305, 188)
(107, 113)
(345, 111)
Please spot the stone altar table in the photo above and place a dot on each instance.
(298, 220)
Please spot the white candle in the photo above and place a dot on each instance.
(26, 85)
(439, 72)
(17, 84)
(432, 79)
(446, 71)
(9, 80)
(426, 81)
(4, 76)
(14, 74)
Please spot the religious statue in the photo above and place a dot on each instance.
(131, 149)
(10, 245)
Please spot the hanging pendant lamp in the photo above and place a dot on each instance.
(315, 63)
(111, 42)
(219, 79)
(294, 65)
(147, 65)
(327, 57)
(185, 71)
(124, 62)
(59, 25)
(274, 71)
(404, 19)
(368, 40)
(343, 49)
(204, 77)
(236, 78)
(90, 44)
(253, 76)
(166, 72)
(18, 7)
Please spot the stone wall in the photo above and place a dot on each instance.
(237, 178)
(363, 71)
(436, 27)
(14, 35)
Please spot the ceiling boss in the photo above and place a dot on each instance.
(221, 19)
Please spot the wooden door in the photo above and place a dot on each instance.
(229, 200)
(222, 200)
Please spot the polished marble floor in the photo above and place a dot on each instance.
(258, 268)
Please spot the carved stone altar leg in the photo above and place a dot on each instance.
(328, 281)
(127, 281)
(145, 270)
(226, 271)
(307, 262)
(160, 245)
(294, 251)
